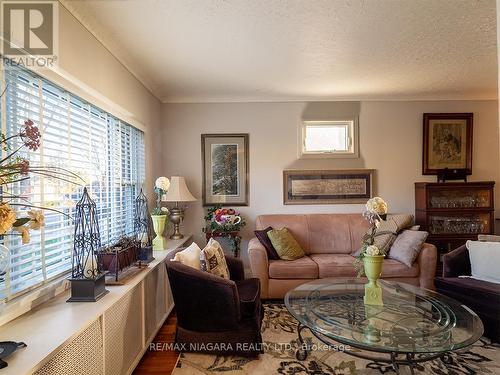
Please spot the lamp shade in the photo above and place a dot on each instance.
(178, 191)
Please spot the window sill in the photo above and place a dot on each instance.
(329, 155)
(18, 306)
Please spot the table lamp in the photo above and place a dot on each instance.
(178, 193)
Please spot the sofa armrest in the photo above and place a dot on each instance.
(236, 269)
(259, 264)
(457, 263)
(427, 260)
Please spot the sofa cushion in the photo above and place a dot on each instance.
(266, 242)
(393, 268)
(303, 268)
(296, 224)
(328, 234)
(190, 256)
(334, 265)
(215, 260)
(387, 231)
(341, 265)
(407, 246)
(285, 244)
(484, 259)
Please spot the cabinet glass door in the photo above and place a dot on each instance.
(463, 224)
(463, 198)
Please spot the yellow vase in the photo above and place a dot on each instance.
(159, 242)
(373, 269)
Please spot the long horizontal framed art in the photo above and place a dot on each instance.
(327, 186)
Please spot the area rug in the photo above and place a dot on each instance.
(279, 332)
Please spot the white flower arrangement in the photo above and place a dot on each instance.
(162, 184)
(376, 210)
(372, 250)
(376, 205)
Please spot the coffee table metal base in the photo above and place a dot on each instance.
(394, 359)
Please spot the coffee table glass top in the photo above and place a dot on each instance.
(412, 320)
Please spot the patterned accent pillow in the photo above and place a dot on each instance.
(285, 244)
(215, 262)
(266, 242)
(388, 230)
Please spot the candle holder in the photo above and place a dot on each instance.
(87, 276)
(143, 229)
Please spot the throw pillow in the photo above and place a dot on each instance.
(407, 246)
(266, 242)
(190, 256)
(388, 230)
(215, 261)
(484, 260)
(285, 244)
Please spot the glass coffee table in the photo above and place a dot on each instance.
(414, 325)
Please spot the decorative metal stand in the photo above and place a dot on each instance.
(396, 360)
(87, 277)
(143, 229)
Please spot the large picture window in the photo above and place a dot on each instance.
(107, 153)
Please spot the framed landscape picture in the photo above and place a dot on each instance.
(447, 142)
(327, 186)
(225, 169)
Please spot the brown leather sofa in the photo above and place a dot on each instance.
(328, 240)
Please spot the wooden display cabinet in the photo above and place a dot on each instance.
(454, 212)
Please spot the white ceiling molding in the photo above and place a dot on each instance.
(276, 50)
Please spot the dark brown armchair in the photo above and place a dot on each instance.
(216, 315)
(482, 297)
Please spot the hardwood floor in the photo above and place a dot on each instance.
(158, 360)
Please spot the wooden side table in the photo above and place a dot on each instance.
(233, 237)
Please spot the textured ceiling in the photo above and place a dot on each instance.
(272, 50)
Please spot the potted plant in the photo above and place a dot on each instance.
(159, 215)
(370, 260)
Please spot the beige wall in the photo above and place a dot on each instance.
(88, 69)
(390, 142)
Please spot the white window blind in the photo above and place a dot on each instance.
(76, 135)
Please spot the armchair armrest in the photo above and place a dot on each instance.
(457, 263)
(236, 269)
(259, 264)
(204, 302)
(427, 260)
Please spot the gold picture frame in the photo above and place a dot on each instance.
(447, 142)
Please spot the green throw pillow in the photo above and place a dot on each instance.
(285, 244)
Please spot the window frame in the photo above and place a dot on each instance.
(133, 137)
(353, 134)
